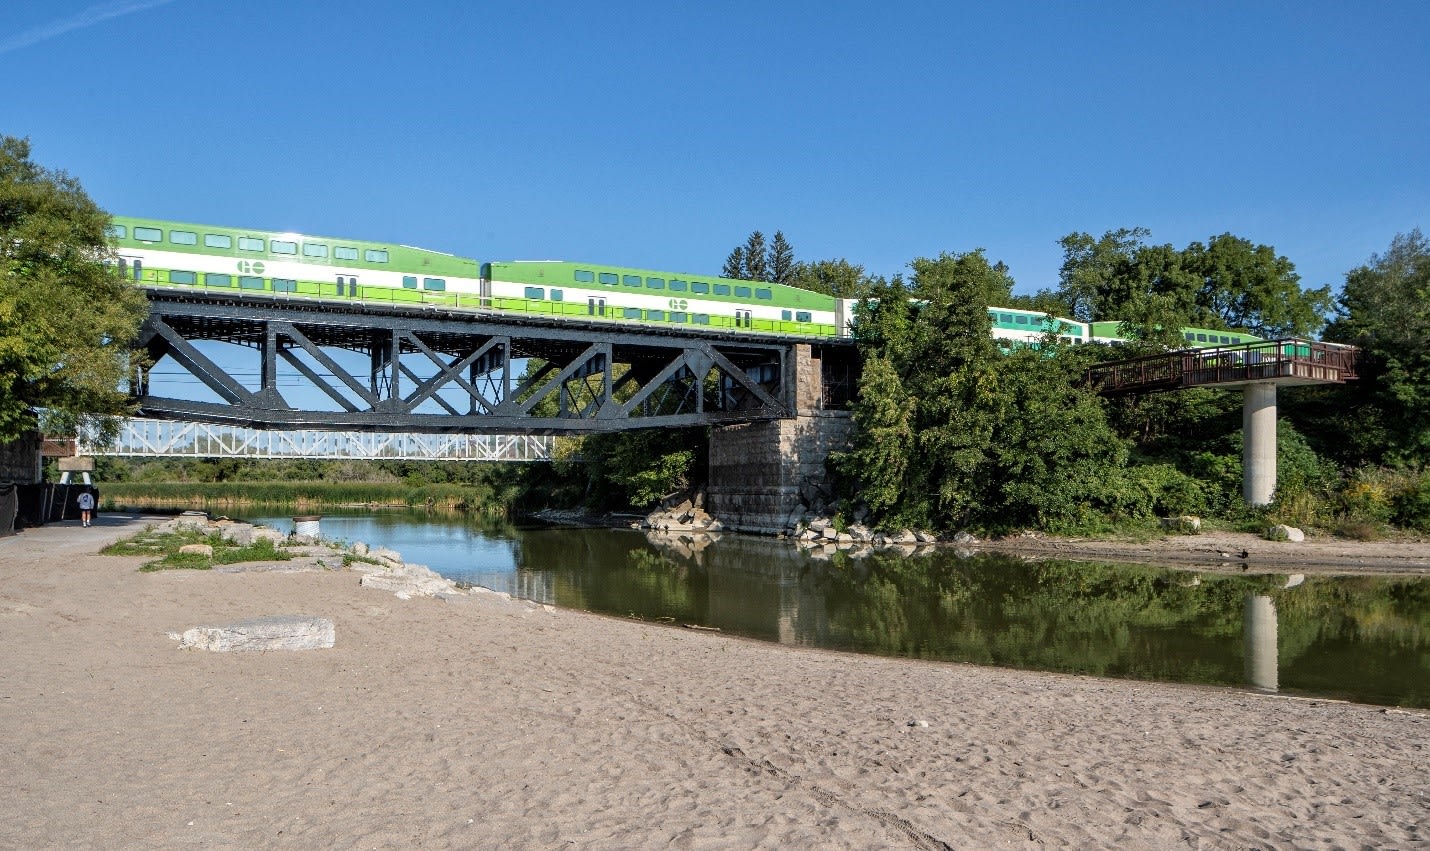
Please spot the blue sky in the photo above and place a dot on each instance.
(661, 134)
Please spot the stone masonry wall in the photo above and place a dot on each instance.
(764, 477)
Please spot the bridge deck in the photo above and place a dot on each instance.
(1289, 362)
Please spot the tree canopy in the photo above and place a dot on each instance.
(1385, 309)
(757, 261)
(949, 430)
(1227, 282)
(66, 318)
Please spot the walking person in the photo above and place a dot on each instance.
(86, 506)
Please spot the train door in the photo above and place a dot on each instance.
(596, 306)
(131, 268)
(347, 286)
(743, 319)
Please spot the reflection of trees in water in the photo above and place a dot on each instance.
(1114, 620)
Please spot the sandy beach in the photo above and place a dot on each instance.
(485, 722)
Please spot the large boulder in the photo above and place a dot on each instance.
(274, 632)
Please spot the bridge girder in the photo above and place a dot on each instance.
(432, 371)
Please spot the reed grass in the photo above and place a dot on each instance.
(205, 495)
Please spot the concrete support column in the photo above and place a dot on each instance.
(1258, 458)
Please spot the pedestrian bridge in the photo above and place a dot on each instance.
(148, 438)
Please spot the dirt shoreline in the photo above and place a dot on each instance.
(490, 722)
(1220, 551)
(1231, 551)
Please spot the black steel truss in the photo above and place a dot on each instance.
(433, 371)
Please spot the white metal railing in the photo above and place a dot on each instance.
(178, 439)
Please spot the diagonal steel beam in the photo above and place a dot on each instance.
(292, 333)
(211, 374)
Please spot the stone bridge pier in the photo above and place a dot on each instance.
(765, 476)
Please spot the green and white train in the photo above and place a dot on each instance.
(176, 255)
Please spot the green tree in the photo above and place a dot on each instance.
(1154, 289)
(781, 259)
(66, 318)
(1385, 309)
(838, 278)
(1240, 285)
(734, 267)
(757, 261)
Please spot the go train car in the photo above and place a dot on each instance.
(156, 253)
(213, 259)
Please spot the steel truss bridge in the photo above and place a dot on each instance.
(171, 439)
(395, 368)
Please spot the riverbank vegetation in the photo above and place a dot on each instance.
(485, 489)
(954, 432)
(166, 550)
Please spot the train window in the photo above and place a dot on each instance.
(655, 283)
(764, 294)
(217, 279)
(148, 234)
(177, 277)
(786, 315)
(409, 282)
(218, 240)
(608, 278)
(699, 287)
(677, 286)
(722, 289)
(1005, 318)
(343, 252)
(1021, 320)
(250, 243)
(314, 249)
(631, 312)
(1226, 339)
(633, 281)
(1201, 338)
(282, 246)
(803, 316)
(248, 282)
(701, 318)
(1190, 336)
(433, 284)
(284, 285)
(183, 237)
(375, 255)
(742, 292)
(584, 276)
(536, 293)
(656, 315)
(116, 231)
(556, 295)
(677, 317)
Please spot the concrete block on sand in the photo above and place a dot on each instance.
(274, 632)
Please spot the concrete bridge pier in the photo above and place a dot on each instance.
(765, 476)
(1258, 456)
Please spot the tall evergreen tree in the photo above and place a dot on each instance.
(781, 260)
(757, 266)
(735, 265)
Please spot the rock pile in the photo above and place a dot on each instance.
(682, 513)
(823, 536)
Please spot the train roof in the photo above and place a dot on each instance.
(195, 238)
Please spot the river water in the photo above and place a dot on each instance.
(1362, 638)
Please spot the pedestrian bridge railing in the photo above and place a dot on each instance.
(1288, 361)
(177, 439)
